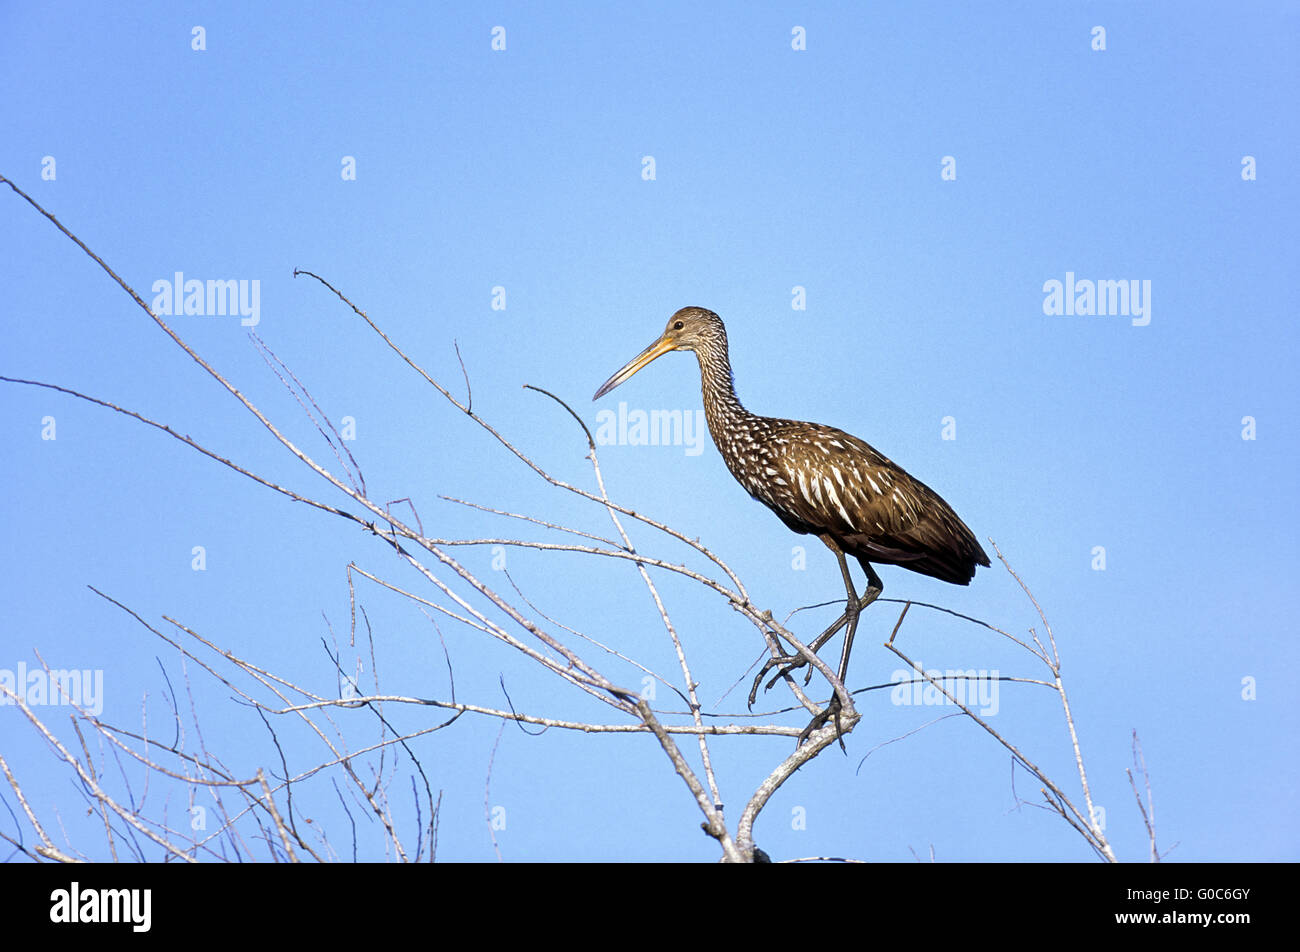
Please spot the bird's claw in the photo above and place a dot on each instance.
(832, 710)
(790, 662)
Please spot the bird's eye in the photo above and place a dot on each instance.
(678, 326)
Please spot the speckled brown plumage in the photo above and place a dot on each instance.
(820, 481)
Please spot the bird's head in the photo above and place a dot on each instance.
(691, 328)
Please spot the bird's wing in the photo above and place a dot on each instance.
(839, 485)
(836, 483)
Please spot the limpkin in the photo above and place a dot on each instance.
(819, 481)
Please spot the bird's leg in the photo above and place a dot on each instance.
(853, 608)
(792, 661)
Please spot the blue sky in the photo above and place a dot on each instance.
(1167, 157)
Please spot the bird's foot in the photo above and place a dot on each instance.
(790, 662)
(832, 710)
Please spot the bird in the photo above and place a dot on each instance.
(819, 481)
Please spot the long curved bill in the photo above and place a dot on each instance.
(660, 347)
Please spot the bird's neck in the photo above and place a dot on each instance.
(722, 408)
